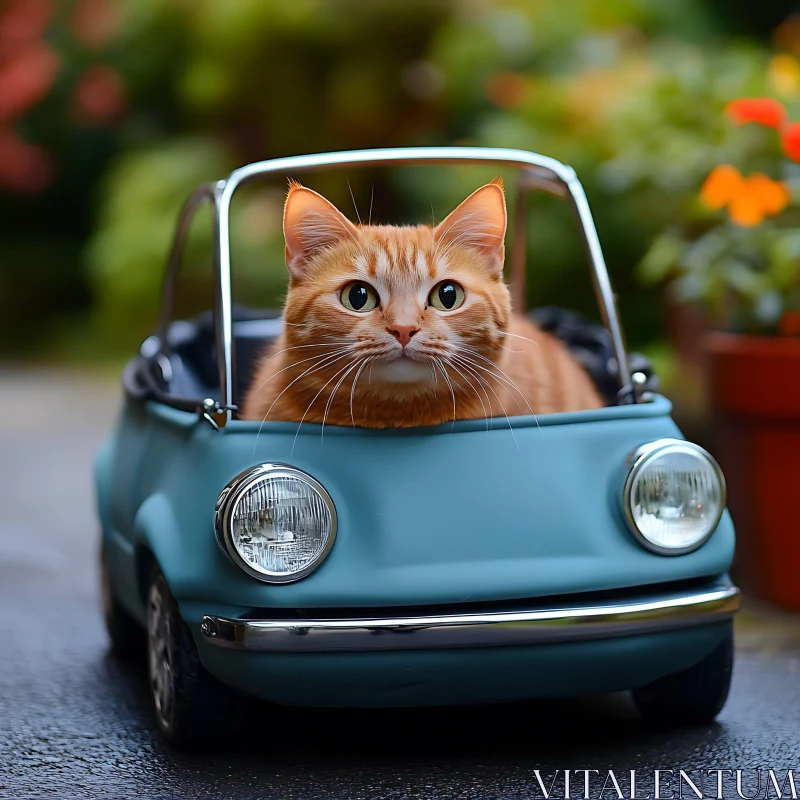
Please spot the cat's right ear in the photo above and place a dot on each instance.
(479, 222)
(310, 224)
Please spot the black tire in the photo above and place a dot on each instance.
(192, 708)
(126, 635)
(694, 696)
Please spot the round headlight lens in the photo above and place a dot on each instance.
(674, 496)
(276, 522)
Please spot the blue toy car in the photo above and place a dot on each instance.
(584, 554)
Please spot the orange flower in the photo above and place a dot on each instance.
(749, 200)
(790, 136)
(723, 184)
(761, 110)
(745, 212)
(771, 196)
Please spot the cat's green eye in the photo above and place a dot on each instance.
(359, 296)
(447, 296)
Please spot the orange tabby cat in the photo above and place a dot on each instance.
(389, 327)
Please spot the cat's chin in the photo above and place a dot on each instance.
(401, 371)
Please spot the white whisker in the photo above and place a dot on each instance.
(314, 399)
(353, 197)
(312, 368)
(302, 361)
(502, 376)
(371, 198)
(480, 399)
(435, 378)
(330, 401)
(438, 361)
(353, 387)
(462, 359)
(503, 381)
(300, 347)
(517, 336)
(501, 346)
(510, 426)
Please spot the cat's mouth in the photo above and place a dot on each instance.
(404, 354)
(402, 367)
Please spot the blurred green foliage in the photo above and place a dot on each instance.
(629, 92)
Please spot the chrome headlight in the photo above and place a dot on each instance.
(275, 522)
(674, 496)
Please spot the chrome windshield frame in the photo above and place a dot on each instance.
(537, 172)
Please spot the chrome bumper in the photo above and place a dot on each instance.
(667, 611)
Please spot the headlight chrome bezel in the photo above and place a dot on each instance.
(238, 487)
(637, 461)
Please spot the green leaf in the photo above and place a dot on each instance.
(692, 287)
(661, 259)
(742, 278)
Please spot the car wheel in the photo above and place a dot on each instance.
(694, 696)
(127, 636)
(191, 706)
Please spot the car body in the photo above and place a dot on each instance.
(473, 562)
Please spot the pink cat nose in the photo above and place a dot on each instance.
(403, 333)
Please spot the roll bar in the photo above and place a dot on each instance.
(537, 172)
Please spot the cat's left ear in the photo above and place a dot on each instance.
(311, 224)
(479, 222)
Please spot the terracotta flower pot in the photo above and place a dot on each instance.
(754, 384)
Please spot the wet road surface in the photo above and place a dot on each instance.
(74, 721)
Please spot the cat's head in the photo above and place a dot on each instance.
(407, 298)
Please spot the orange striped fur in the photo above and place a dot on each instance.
(407, 363)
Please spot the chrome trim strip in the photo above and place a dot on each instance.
(668, 611)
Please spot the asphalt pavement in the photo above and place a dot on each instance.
(75, 722)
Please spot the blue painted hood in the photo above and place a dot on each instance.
(426, 516)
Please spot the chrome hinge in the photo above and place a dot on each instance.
(637, 392)
(643, 394)
(213, 413)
